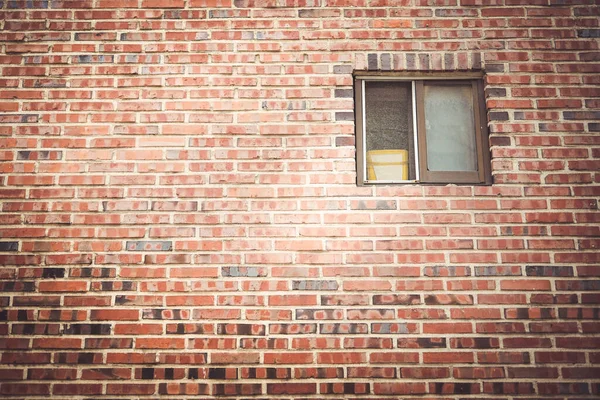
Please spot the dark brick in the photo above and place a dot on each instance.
(379, 205)
(169, 373)
(17, 286)
(423, 61)
(495, 92)
(9, 246)
(304, 314)
(449, 62)
(500, 141)
(578, 285)
(476, 60)
(552, 389)
(147, 373)
(372, 62)
(249, 272)
(386, 62)
(411, 62)
(149, 245)
(314, 285)
(497, 271)
(53, 273)
(588, 33)
(447, 271)
(499, 116)
(344, 116)
(217, 373)
(121, 286)
(509, 388)
(456, 388)
(36, 329)
(342, 69)
(591, 56)
(581, 115)
(23, 155)
(520, 115)
(29, 4)
(494, 68)
(343, 141)
(543, 270)
(93, 272)
(78, 358)
(344, 93)
(109, 343)
(87, 329)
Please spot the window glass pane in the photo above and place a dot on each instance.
(450, 127)
(389, 134)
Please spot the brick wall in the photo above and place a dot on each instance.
(180, 217)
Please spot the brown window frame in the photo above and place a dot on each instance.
(480, 177)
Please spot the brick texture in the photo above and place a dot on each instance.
(180, 218)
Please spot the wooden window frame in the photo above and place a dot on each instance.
(480, 177)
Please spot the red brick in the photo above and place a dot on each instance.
(404, 388)
(77, 389)
(447, 357)
(394, 358)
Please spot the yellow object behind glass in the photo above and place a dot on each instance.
(387, 165)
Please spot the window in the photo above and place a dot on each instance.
(421, 128)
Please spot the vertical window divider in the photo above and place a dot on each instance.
(363, 107)
(421, 136)
(416, 139)
(478, 130)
